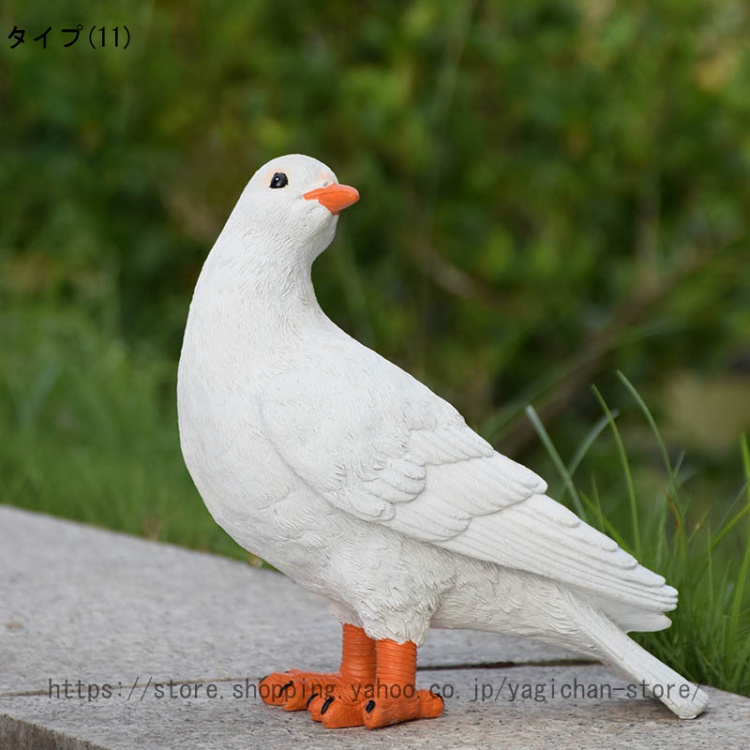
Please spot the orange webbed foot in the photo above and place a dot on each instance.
(339, 710)
(296, 690)
(293, 690)
(374, 688)
(382, 712)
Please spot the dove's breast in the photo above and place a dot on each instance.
(233, 465)
(244, 482)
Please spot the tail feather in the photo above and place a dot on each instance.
(626, 617)
(619, 651)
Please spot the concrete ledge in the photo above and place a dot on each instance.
(108, 641)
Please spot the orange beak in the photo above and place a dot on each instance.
(334, 197)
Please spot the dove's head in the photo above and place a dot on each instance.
(290, 207)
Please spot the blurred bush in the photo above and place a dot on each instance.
(550, 190)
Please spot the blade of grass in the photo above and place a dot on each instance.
(588, 441)
(738, 594)
(727, 526)
(626, 469)
(604, 525)
(557, 460)
(654, 429)
(745, 450)
(672, 493)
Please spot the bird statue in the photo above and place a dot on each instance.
(356, 481)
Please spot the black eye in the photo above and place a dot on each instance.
(279, 180)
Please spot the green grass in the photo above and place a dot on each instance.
(88, 431)
(702, 549)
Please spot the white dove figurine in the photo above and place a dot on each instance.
(355, 480)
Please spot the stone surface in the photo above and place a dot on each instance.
(120, 617)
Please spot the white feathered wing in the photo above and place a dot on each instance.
(384, 448)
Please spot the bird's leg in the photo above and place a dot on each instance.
(395, 697)
(296, 690)
(341, 704)
(374, 686)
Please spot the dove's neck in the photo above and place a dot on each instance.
(263, 299)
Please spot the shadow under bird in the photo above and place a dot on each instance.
(355, 480)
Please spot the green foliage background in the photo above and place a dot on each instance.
(551, 191)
